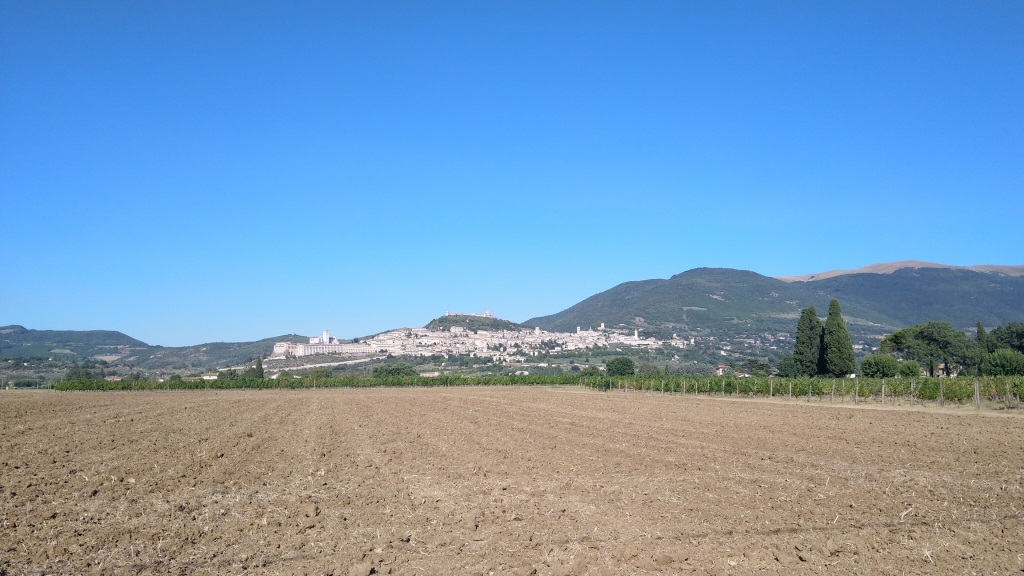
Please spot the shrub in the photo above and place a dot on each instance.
(879, 366)
(909, 369)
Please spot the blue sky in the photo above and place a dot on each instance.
(188, 172)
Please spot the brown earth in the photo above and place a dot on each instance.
(500, 480)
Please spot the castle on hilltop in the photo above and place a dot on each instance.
(486, 314)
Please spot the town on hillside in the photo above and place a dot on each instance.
(508, 345)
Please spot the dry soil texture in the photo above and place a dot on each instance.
(502, 480)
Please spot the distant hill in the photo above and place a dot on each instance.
(20, 342)
(204, 356)
(726, 302)
(890, 267)
(472, 322)
(719, 302)
(118, 348)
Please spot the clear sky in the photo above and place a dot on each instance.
(188, 172)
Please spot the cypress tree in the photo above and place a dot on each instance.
(837, 349)
(807, 348)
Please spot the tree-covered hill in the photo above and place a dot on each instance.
(20, 342)
(204, 356)
(119, 349)
(719, 301)
(471, 322)
(911, 296)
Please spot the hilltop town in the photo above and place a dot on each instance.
(512, 346)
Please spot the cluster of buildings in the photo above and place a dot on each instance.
(499, 344)
(519, 345)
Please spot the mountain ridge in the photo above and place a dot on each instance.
(705, 302)
(727, 301)
(890, 267)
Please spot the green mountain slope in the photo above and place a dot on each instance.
(20, 342)
(203, 356)
(122, 350)
(724, 302)
(910, 296)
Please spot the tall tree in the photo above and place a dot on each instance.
(974, 361)
(1005, 362)
(837, 349)
(807, 348)
(935, 345)
(1009, 336)
(621, 366)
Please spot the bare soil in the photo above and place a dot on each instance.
(500, 480)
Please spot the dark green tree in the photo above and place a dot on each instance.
(78, 373)
(788, 367)
(621, 366)
(909, 369)
(934, 345)
(1004, 362)
(974, 359)
(1009, 336)
(807, 347)
(754, 367)
(255, 372)
(837, 349)
(648, 369)
(879, 366)
(981, 337)
(396, 370)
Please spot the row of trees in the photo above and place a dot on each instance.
(941, 349)
(820, 349)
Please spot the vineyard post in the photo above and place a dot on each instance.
(1006, 397)
(723, 386)
(833, 398)
(883, 392)
(791, 390)
(912, 382)
(771, 387)
(684, 387)
(977, 395)
(942, 394)
(856, 393)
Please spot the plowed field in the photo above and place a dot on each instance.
(500, 480)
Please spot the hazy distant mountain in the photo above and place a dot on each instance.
(727, 302)
(20, 342)
(890, 267)
(204, 356)
(120, 349)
